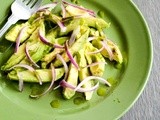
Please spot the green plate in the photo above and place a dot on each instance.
(129, 31)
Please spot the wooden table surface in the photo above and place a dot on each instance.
(148, 105)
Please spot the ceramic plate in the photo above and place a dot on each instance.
(129, 31)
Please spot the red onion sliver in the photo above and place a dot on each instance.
(94, 64)
(73, 36)
(29, 57)
(70, 56)
(64, 64)
(91, 38)
(38, 77)
(61, 25)
(63, 10)
(88, 90)
(109, 50)
(23, 66)
(91, 78)
(18, 39)
(97, 51)
(50, 86)
(56, 87)
(72, 17)
(45, 12)
(43, 39)
(20, 81)
(37, 19)
(47, 6)
(58, 46)
(63, 83)
(92, 13)
(30, 69)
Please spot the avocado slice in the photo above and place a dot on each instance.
(73, 11)
(96, 70)
(79, 43)
(52, 55)
(72, 79)
(88, 19)
(44, 74)
(15, 58)
(20, 55)
(94, 32)
(37, 48)
(30, 27)
(42, 49)
(117, 55)
(83, 73)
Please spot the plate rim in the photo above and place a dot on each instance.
(150, 63)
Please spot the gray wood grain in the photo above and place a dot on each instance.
(148, 105)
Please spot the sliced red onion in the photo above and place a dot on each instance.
(109, 50)
(91, 38)
(20, 81)
(38, 77)
(37, 19)
(72, 17)
(56, 87)
(23, 66)
(92, 78)
(30, 69)
(91, 12)
(70, 56)
(18, 39)
(97, 51)
(74, 34)
(58, 46)
(47, 6)
(43, 39)
(50, 86)
(29, 57)
(62, 26)
(64, 84)
(63, 10)
(94, 64)
(44, 12)
(64, 64)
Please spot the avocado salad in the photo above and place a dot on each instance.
(61, 43)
